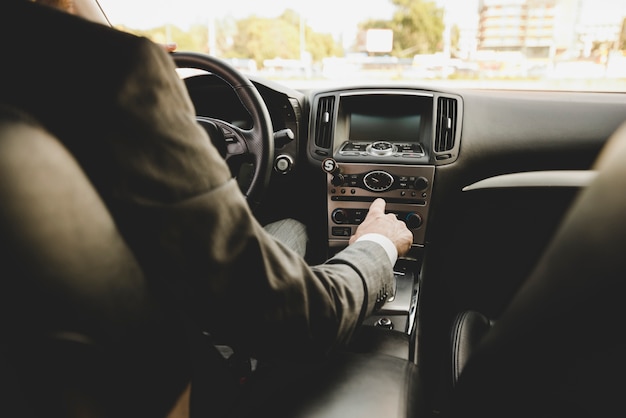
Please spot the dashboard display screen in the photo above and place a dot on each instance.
(396, 118)
(392, 128)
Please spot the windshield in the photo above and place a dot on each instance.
(512, 44)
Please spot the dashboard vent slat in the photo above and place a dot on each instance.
(324, 119)
(446, 124)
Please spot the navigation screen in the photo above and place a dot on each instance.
(371, 128)
(397, 118)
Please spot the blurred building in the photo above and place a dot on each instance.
(528, 26)
(544, 28)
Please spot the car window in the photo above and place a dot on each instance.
(503, 44)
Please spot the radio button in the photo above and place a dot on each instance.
(413, 220)
(421, 183)
(341, 231)
(339, 216)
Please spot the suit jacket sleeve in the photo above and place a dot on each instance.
(245, 286)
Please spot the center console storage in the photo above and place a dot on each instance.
(375, 376)
(388, 331)
(399, 312)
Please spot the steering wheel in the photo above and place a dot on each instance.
(257, 143)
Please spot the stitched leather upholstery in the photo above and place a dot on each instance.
(467, 330)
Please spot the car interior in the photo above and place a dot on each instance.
(509, 303)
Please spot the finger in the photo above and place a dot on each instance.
(378, 206)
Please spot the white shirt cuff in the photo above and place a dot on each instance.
(384, 242)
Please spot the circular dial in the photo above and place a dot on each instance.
(378, 181)
(382, 145)
(380, 148)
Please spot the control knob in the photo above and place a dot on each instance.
(339, 216)
(337, 179)
(421, 183)
(413, 220)
(330, 166)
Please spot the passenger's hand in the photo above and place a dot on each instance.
(377, 222)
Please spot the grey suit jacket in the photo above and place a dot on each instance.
(115, 102)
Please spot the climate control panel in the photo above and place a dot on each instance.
(413, 220)
(351, 188)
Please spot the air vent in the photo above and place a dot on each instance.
(446, 124)
(324, 121)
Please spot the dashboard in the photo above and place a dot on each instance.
(396, 126)
(482, 178)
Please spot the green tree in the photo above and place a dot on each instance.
(262, 38)
(322, 45)
(253, 37)
(417, 27)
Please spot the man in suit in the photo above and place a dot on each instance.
(114, 101)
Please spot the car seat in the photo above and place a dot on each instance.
(83, 333)
(558, 349)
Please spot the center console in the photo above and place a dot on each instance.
(384, 143)
(352, 187)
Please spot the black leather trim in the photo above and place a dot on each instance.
(371, 339)
(468, 329)
(345, 385)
